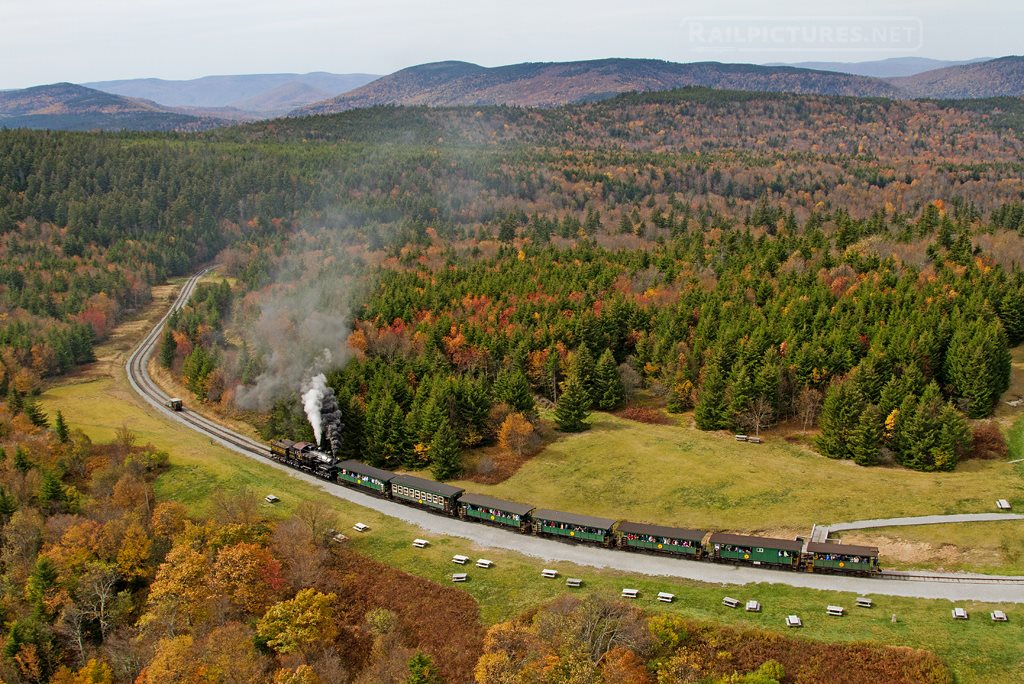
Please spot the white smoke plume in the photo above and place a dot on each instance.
(312, 401)
(299, 325)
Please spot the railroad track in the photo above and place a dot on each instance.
(971, 587)
(951, 578)
(143, 384)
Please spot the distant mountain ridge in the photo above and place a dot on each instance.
(267, 94)
(999, 77)
(68, 106)
(454, 83)
(554, 83)
(884, 68)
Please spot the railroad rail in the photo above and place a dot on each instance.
(959, 586)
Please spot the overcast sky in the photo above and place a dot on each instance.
(45, 41)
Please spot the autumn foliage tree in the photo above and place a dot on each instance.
(516, 434)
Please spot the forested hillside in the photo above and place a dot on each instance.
(753, 257)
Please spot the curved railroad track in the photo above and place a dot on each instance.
(952, 586)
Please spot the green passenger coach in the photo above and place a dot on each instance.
(572, 526)
(738, 548)
(363, 476)
(657, 538)
(495, 511)
(841, 558)
(426, 493)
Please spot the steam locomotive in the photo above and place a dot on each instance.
(446, 499)
(306, 457)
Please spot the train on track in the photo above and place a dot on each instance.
(444, 499)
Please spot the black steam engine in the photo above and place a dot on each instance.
(304, 456)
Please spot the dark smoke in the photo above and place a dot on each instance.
(330, 418)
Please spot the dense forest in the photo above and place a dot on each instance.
(841, 262)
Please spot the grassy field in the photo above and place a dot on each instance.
(689, 478)
(977, 650)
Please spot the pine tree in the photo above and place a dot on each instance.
(609, 394)
(472, 411)
(35, 413)
(422, 670)
(15, 401)
(840, 412)
(553, 372)
(866, 437)
(51, 492)
(954, 438)
(1011, 313)
(572, 409)
(397, 443)
(168, 348)
(582, 366)
(711, 412)
(8, 505)
(21, 462)
(445, 462)
(513, 388)
(43, 578)
(738, 396)
(60, 428)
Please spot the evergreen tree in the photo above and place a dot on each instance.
(60, 428)
(35, 413)
(909, 381)
(738, 396)
(572, 409)
(953, 440)
(21, 462)
(422, 670)
(397, 443)
(866, 437)
(840, 413)
(513, 388)
(582, 366)
(609, 394)
(51, 492)
(553, 373)
(445, 461)
(15, 401)
(472, 411)
(977, 364)
(168, 348)
(43, 579)
(8, 505)
(711, 411)
(1011, 313)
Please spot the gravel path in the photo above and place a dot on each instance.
(923, 520)
(550, 552)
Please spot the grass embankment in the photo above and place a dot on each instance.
(686, 477)
(989, 547)
(977, 650)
